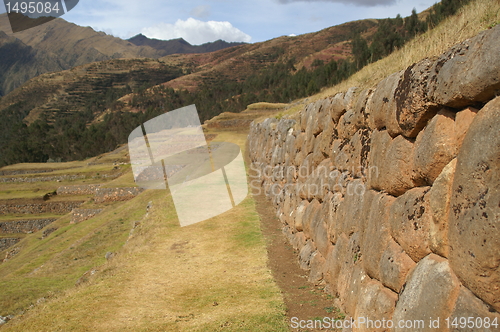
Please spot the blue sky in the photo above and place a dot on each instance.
(249, 21)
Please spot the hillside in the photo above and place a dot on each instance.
(71, 106)
(236, 64)
(60, 45)
(406, 216)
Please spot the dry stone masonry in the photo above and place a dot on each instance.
(391, 195)
(89, 189)
(24, 226)
(39, 208)
(7, 242)
(116, 194)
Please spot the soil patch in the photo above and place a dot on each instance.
(303, 299)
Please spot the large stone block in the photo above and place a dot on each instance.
(439, 203)
(381, 107)
(313, 120)
(317, 268)
(318, 154)
(352, 154)
(351, 213)
(305, 255)
(375, 305)
(338, 107)
(474, 220)
(430, 293)
(468, 73)
(310, 215)
(327, 136)
(435, 147)
(394, 266)
(377, 234)
(299, 215)
(333, 262)
(354, 118)
(358, 280)
(468, 305)
(390, 164)
(463, 120)
(410, 220)
(348, 261)
(414, 107)
(335, 199)
(319, 231)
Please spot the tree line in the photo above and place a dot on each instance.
(75, 135)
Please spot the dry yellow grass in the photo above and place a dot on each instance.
(471, 19)
(210, 276)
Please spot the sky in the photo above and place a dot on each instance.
(201, 21)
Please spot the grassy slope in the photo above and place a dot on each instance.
(205, 277)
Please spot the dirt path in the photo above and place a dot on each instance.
(303, 299)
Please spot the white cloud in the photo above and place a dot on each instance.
(197, 32)
(201, 11)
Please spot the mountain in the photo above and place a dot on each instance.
(88, 109)
(180, 46)
(20, 62)
(55, 46)
(91, 108)
(237, 63)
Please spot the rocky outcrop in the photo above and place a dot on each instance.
(391, 195)
(79, 215)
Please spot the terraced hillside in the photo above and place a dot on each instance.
(121, 254)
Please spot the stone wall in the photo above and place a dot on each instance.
(24, 226)
(116, 194)
(38, 208)
(89, 189)
(7, 242)
(391, 195)
(79, 215)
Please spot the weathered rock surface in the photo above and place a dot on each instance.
(410, 221)
(474, 221)
(430, 294)
(413, 106)
(469, 73)
(435, 147)
(391, 196)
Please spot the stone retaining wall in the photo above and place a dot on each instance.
(21, 172)
(24, 226)
(116, 194)
(89, 189)
(391, 195)
(57, 178)
(38, 208)
(79, 215)
(7, 242)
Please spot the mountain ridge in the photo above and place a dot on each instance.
(60, 45)
(179, 45)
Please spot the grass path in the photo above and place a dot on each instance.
(210, 276)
